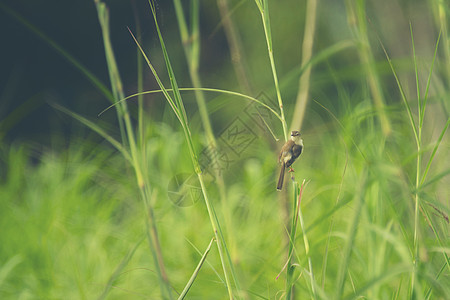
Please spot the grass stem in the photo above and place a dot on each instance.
(263, 6)
(129, 137)
(303, 87)
(356, 14)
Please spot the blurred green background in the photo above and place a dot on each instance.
(79, 220)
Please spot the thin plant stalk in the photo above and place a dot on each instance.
(196, 272)
(303, 87)
(416, 197)
(263, 7)
(417, 130)
(443, 16)
(238, 58)
(292, 236)
(177, 106)
(357, 20)
(140, 84)
(264, 11)
(126, 130)
(142, 182)
(330, 229)
(418, 164)
(298, 217)
(421, 106)
(351, 235)
(306, 243)
(191, 45)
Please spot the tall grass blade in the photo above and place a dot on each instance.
(416, 73)
(191, 46)
(178, 104)
(296, 218)
(239, 59)
(196, 271)
(392, 272)
(304, 81)
(140, 84)
(128, 135)
(434, 179)
(165, 91)
(430, 289)
(292, 237)
(263, 7)
(306, 243)
(433, 153)
(7, 267)
(402, 93)
(114, 77)
(357, 18)
(351, 234)
(425, 99)
(438, 238)
(95, 128)
(209, 264)
(415, 258)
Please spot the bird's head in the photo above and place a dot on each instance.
(296, 137)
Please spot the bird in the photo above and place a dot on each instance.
(290, 151)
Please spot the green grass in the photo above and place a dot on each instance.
(366, 217)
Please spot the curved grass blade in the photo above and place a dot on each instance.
(95, 128)
(194, 89)
(8, 266)
(402, 93)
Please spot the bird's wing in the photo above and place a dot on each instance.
(297, 150)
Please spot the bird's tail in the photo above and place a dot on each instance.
(281, 178)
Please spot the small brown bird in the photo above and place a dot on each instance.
(288, 154)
